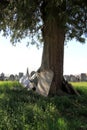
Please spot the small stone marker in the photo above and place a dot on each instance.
(44, 82)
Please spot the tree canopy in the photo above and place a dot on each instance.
(26, 18)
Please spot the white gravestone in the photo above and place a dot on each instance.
(26, 82)
(44, 82)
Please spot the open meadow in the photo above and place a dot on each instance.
(25, 110)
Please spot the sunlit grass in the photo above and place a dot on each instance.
(9, 84)
(79, 84)
(81, 87)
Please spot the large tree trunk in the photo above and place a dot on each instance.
(53, 54)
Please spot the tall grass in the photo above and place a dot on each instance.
(25, 110)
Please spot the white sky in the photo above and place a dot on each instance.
(75, 59)
(16, 59)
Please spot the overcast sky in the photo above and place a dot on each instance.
(75, 59)
(16, 59)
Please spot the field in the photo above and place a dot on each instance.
(25, 110)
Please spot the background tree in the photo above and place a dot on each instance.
(54, 21)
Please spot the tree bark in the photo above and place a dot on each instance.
(53, 55)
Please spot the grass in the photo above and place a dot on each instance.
(25, 110)
(81, 87)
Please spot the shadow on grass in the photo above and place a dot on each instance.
(23, 110)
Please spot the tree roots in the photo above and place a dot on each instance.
(68, 88)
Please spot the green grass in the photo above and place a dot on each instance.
(25, 110)
(81, 87)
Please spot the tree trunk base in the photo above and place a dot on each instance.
(68, 88)
(65, 89)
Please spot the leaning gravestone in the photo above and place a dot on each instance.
(44, 82)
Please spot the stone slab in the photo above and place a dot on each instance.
(44, 82)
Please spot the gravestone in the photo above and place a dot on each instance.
(83, 77)
(26, 82)
(44, 82)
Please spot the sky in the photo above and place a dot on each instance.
(75, 58)
(15, 59)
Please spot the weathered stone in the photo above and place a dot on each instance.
(83, 77)
(44, 82)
